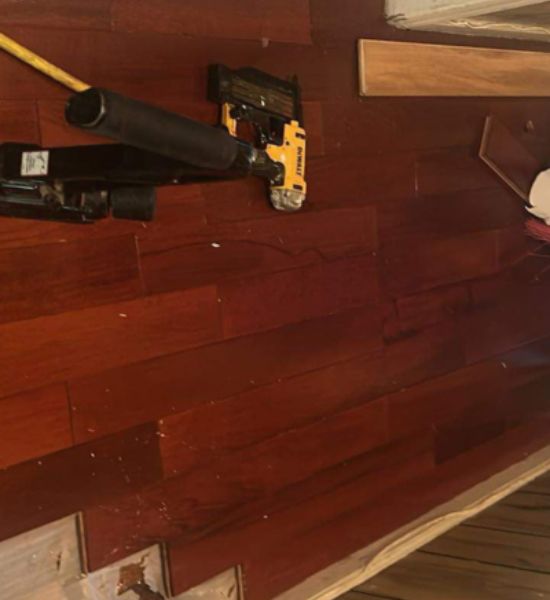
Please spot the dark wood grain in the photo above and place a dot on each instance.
(274, 300)
(193, 503)
(34, 423)
(54, 348)
(183, 380)
(59, 14)
(279, 21)
(45, 489)
(54, 278)
(397, 322)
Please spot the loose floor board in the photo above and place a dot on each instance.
(412, 69)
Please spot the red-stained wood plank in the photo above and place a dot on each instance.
(436, 217)
(278, 568)
(59, 277)
(175, 255)
(213, 428)
(119, 398)
(451, 170)
(428, 308)
(53, 348)
(40, 491)
(306, 505)
(59, 14)
(442, 400)
(34, 423)
(418, 356)
(19, 122)
(506, 313)
(194, 503)
(442, 262)
(335, 181)
(270, 301)
(284, 21)
(389, 125)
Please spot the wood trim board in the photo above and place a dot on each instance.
(368, 562)
(389, 68)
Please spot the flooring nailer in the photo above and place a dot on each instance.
(155, 147)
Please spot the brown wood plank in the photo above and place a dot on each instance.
(442, 262)
(195, 502)
(502, 548)
(520, 512)
(60, 14)
(34, 423)
(213, 428)
(19, 121)
(316, 500)
(539, 486)
(413, 69)
(421, 310)
(40, 491)
(80, 342)
(35, 284)
(279, 21)
(508, 158)
(286, 565)
(298, 295)
(432, 577)
(183, 380)
(181, 251)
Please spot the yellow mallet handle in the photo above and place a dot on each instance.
(41, 65)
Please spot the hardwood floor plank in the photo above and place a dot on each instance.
(415, 221)
(452, 170)
(213, 428)
(444, 70)
(181, 381)
(520, 512)
(19, 121)
(300, 507)
(53, 348)
(502, 548)
(431, 577)
(284, 22)
(195, 502)
(60, 14)
(34, 284)
(445, 399)
(33, 424)
(176, 255)
(298, 295)
(419, 311)
(443, 262)
(37, 492)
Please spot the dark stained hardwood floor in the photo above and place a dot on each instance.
(253, 388)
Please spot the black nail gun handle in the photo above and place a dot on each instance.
(151, 128)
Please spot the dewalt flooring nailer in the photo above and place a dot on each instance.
(85, 183)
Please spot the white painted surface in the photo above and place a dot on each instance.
(419, 13)
(225, 586)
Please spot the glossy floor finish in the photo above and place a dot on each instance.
(251, 388)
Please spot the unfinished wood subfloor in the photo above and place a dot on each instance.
(502, 554)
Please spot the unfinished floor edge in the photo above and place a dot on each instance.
(364, 564)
